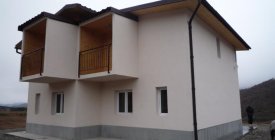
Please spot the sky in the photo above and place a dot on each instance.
(253, 20)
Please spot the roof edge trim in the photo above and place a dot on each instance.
(223, 21)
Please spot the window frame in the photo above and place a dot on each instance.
(126, 101)
(159, 101)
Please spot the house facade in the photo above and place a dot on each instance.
(126, 73)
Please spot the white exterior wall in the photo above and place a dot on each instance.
(60, 50)
(125, 50)
(163, 61)
(45, 115)
(217, 88)
(158, 53)
(88, 97)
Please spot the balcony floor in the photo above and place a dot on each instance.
(104, 77)
(37, 78)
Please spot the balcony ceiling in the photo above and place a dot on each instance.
(39, 28)
(103, 25)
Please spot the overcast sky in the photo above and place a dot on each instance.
(254, 20)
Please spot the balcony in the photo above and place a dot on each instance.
(33, 50)
(49, 52)
(108, 48)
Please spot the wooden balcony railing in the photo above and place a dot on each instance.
(95, 60)
(32, 63)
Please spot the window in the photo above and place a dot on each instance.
(218, 47)
(37, 103)
(162, 100)
(124, 101)
(58, 103)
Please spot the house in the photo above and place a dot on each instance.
(126, 73)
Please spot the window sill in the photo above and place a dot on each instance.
(58, 114)
(163, 114)
(124, 113)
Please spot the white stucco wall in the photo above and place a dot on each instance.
(88, 98)
(45, 115)
(124, 46)
(60, 50)
(217, 88)
(163, 61)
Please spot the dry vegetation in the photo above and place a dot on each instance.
(12, 119)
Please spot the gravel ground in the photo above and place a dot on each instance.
(261, 133)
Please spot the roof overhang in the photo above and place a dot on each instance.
(75, 14)
(206, 12)
(41, 16)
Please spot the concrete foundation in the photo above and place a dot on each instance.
(227, 131)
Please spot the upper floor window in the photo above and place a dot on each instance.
(124, 102)
(218, 47)
(162, 100)
(58, 102)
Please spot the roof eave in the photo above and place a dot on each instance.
(111, 10)
(150, 5)
(204, 3)
(223, 21)
(41, 16)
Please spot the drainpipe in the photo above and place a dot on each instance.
(17, 51)
(192, 71)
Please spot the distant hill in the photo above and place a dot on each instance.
(262, 98)
(13, 107)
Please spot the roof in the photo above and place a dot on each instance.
(76, 14)
(136, 9)
(149, 5)
(116, 11)
(41, 16)
(223, 21)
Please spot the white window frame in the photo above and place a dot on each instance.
(62, 100)
(159, 89)
(37, 103)
(126, 92)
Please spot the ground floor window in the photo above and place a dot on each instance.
(162, 100)
(58, 103)
(37, 103)
(124, 101)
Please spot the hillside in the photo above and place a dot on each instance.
(262, 98)
(13, 107)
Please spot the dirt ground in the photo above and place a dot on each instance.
(12, 119)
(261, 133)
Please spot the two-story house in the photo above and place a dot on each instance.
(126, 73)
